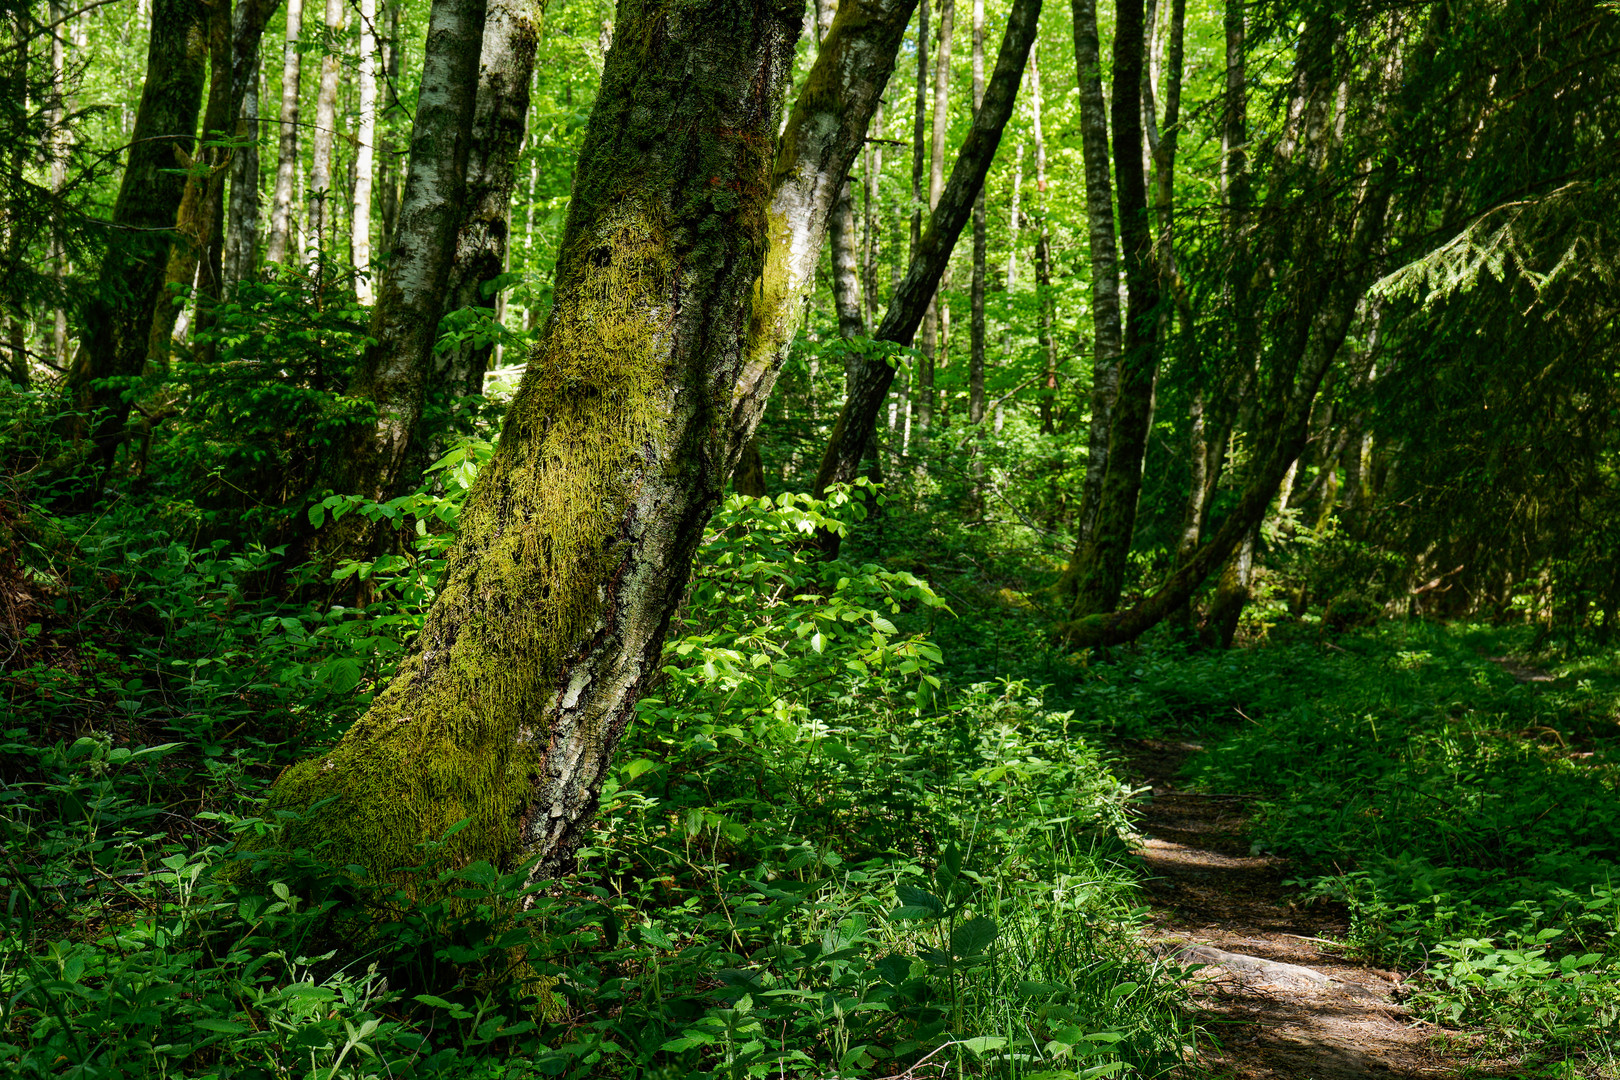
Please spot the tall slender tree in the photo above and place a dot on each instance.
(1105, 311)
(980, 243)
(118, 320)
(324, 137)
(1099, 568)
(392, 374)
(281, 239)
(365, 137)
(853, 430)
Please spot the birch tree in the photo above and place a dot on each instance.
(365, 136)
(281, 197)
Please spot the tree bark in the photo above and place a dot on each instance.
(119, 317)
(392, 373)
(1099, 568)
(873, 193)
(853, 431)
(242, 229)
(980, 243)
(1105, 312)
(320, 170)
(511, 36)
(578, 537)
(282, 229)
(1043, 254)
(825, 131)
(365, 138)
(387, 165)
(928, 344)
(845, 270)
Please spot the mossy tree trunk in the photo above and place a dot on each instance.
(119, 317)
(578, 538)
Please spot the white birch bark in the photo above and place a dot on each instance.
(282, 230)
(365, 138)
(320, 171)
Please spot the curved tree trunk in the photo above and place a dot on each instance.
(841, 461)
(578, 538)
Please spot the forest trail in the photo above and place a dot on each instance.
(1280, 1007)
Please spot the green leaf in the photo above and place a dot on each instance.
(984, 1044)
(228, 1027)
(973, 937)
(911, 896)
(655, 937)
(436, 1002)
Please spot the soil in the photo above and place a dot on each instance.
(1278, 1007)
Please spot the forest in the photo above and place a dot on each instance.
(891, 539)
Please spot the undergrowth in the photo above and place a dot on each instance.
(819, 855)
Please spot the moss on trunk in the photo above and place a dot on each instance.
(578, 538)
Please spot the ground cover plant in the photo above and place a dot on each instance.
(815, 854)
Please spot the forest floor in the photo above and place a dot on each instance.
(1278, 1005)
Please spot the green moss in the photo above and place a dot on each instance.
(461, 732)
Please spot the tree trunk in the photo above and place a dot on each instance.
(59, 157)
(869, 247)
(1099, 568)
(980, 240)
(824, 133)
(119, 316)
(198, 252)
(1043, 254)
(282, 228)
(320, 171)
(392, 373)
(919, 132)
(845, 271)
(237, 76)
(365, 138)
(387, 166)
(928, 344)
(1105, 313)
(853, 431)
(242, 229)
(1013, 224)
(578, 538)
(511, 36)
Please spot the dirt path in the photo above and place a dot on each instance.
(1281, 1008)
